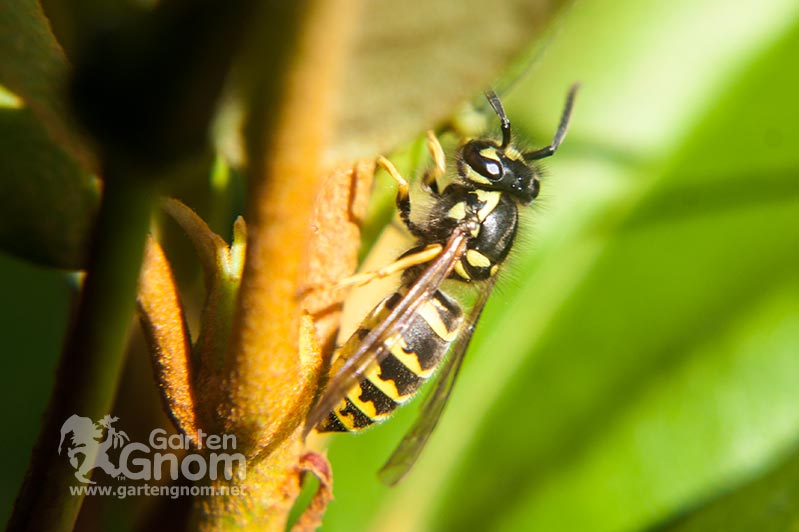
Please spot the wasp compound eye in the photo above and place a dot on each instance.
(473, 154)
(535, 188)
(462, 240)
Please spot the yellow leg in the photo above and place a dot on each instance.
(403, 199)
(420, 257)
(402, 183)
(440, 161)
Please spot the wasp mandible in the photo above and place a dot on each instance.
(422, 328)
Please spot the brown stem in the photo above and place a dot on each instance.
(264, 363)
(271, 382)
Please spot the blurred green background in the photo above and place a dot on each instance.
(638, 366)
(640, 356)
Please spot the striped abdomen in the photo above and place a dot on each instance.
(414, 353)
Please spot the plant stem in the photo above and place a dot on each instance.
(92, 357)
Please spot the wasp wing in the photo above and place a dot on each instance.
(407, 452)
(375, 345)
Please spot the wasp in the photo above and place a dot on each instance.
(423, 328)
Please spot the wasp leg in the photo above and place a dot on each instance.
(430, 178)
(403, 199)
(420, 257)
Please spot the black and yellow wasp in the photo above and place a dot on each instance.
(461, 243)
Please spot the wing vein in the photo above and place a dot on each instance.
(407, 452)
(373, 347)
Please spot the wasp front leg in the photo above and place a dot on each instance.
(429, 181)
(430, 177)
(403, 199)
(403, 202)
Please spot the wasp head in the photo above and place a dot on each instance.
(488, 165)
(492, 165)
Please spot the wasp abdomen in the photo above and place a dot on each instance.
(411, 358)
(472, 223)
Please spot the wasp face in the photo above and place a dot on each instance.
(470, 229)
(489, 166)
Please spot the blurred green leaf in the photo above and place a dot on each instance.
(767, 504)
(641, 355)
(35, 69)
(414, 62)
(48, 202)
(30, 354)
(651, 386)
(47, 196)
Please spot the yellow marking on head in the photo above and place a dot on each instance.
(460, 271)
(458, 211)
(491, 199)
(490, 153)
(512, 153)
(494, 270)
(476, 177)
(430, 314)
(477, 259)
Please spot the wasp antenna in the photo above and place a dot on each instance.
(493, 99)
(563, 126)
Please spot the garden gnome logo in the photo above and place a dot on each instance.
(87, 448)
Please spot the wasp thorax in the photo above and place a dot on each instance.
(468, 233)
(489, 166)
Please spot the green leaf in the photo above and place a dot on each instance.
(640, 356)
(47, 196)
(48, 202)
(668, 372)
(767, 504)
(413, 64)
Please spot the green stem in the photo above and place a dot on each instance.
(92, 358)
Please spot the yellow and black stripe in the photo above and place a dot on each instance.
(411, 359)
(477, 208)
